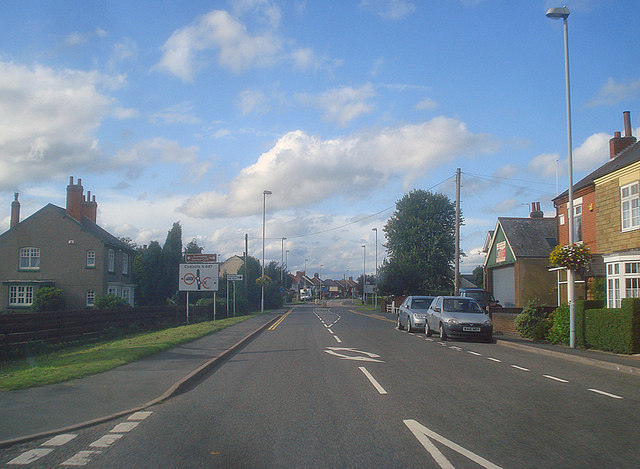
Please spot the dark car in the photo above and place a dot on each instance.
(458, 317)
(484, 298)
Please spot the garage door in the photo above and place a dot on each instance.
(504, 286)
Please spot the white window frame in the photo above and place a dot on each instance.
(29, 258)
(91, 258)
(623, 278)
(125, 263)
(111, 260)
(577, 223)
(630, 207)
(91, 298)
(21, 295)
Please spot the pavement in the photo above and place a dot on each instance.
(44, 411)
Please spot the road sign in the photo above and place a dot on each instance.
(198, 277)
(200, 258)
(234, 277)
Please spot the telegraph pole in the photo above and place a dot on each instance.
(456, 286)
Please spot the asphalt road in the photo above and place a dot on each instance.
(330, 387)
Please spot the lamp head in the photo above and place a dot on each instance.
(266, 192)
(556, 13)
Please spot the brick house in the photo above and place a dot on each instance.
(608, 218)
(66, 249)
(517, 259)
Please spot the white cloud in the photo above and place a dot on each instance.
(302, 169)
(544, 164)
(252, 102)
(178, 114)
(593, 153)
(237, 49)
(342, 105)
(388, 9)
(427, 104)
(148, 152)
(48, 119)
(612, 92)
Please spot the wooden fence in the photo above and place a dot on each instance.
(24, 331)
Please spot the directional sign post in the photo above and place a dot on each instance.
(198, 277)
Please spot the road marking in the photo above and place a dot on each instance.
(369, 357)
(605, 393)
(376, 385)
(277, 323)
(429, 339)
(81, 458)
(560, 380)
(519, 368)
(30, 456)
(59, 440)
(139, 415)
(474, 353)
(455, 347)
(373, 316)
(494, 360)
(337, 339)
(106, 440)
(330, 331)
(423, 434)
(124, 427)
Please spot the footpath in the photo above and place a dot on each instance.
(48, 410)
(39, 412)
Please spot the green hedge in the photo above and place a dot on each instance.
(612, 329)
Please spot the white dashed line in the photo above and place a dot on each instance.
(337, 339)
(455, 348)
(59, 440)
(139, 415)
(30, 456)
(474, 353)
(330, 331)
(81, 458)
(605, 393)
(429, 339)
(494, 360)
(124, 427)
(560, 380)
(373, 381)
(106, 440)
(519, 368)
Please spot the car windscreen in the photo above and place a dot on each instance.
(421, 303)
(478, 295)
(461, 305)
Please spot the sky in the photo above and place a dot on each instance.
(188, 111)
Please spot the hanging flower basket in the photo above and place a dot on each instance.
(263, 280)
(570, 256)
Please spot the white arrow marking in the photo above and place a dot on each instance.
(423, 434)
(370, 357)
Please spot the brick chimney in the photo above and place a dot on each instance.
(618, 143)
(77, 206)
(535, 210)
(15, 211)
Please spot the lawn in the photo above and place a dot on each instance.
(80, 361)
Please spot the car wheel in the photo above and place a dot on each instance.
(399, 323)
(427, 329)
(443, 334)
(409, 328)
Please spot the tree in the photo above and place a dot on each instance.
(171, 258)
(420, 243)
(193, 248)
(48, 299)
(478, 276)
(147, 274)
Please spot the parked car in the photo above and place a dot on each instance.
(413, 312)
(458, 317)
(484, 298)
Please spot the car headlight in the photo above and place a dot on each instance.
(488, 322)
(419, 316)
(453, 321)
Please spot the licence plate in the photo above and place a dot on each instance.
(471, 329)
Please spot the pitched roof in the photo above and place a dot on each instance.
(629, 155)
(530, 237)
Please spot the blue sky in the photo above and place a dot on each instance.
(187, 111)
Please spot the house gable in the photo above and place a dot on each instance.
(500, 252)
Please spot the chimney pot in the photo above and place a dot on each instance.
(15, 211)
(627, 123)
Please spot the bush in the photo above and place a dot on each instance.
(559, 333)
(48, 299)
(532, 322)
(110, 302)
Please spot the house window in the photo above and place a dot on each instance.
(30, 259)
(577, 223)
(613, 293)
(561, 219)
(111, 259)
(20, 295)
(126, 295)
(91, 258)
(125, 263)
(91, 297)
(630, 206)
(623, 280)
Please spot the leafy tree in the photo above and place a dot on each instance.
(420, 243)
(193, 248)
(171, 258)
(147, 274)
(48, 299)
(478, 276)
(251, 290)
(272, 295)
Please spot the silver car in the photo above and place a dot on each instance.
(412, 313)
(458, 317)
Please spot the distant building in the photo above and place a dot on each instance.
(66, 249)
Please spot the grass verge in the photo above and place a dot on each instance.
(86, 360)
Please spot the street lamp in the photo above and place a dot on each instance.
(286, 259)
(282, 262)
(557, 13)
(376, 274)
(364, 273)
(264, 219)
(305, 273)
(320, 279)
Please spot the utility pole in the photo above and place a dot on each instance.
(456, 280)
(246, 251)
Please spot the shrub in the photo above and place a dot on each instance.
(559, 333)
(532, 322)
(110, 302)
(48, 299)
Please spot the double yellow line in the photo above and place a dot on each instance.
(277, 323)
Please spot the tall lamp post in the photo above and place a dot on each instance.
(364, 273)
(305, 273)
(264, 219)
(557, 13)
(282, 262)
(376, 274)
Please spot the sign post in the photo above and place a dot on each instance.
(233, 278)
(198, 277)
